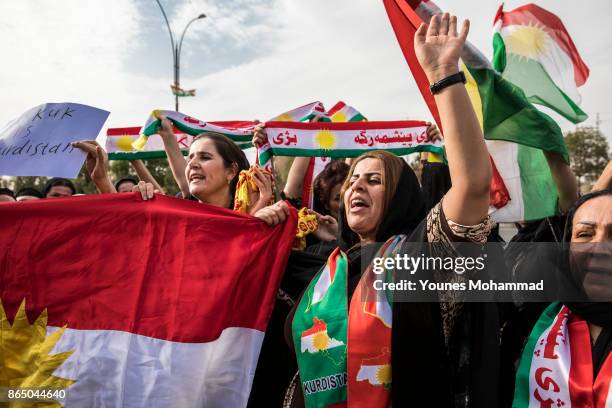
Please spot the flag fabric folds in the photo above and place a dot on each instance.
(533, 50)
(163, 302)
(506, 116)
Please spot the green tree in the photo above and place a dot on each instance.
(82, 183)
(118, 168)
(589, 153)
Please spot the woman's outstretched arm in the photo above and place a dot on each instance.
(438, 48)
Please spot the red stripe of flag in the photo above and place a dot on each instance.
(405, 22)
(167, 268)
(580, 380)
(603, 382)
(336, 108)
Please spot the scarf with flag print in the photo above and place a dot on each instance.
(344, 354)
(305, 113)
(340, 112)
(137, 143)
(340, 140)
(556, 368)
(240, 132)
(119, 141)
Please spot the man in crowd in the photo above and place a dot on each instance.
(7, 195)
(28, 193)
(59, 188)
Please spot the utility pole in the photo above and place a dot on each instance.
(176, 52)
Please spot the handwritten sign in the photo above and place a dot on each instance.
(38, 142)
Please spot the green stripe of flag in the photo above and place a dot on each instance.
(508, 115)
(521, 394)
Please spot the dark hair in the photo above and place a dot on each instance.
(230, 153)
(7, 191)
(567, 236)
(58, 181)
(332, 175)
(29, 191)
(402, 189)
(119, 182)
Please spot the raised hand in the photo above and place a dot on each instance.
(433, 133)
(261, 198)
(166, 130)
(328, 227)
(259, 135)
(96, 164)
(438, 46)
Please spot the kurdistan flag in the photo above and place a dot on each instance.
(533, 50)
(340, 112)
(516, 132)
(316, 338)
(170, 319)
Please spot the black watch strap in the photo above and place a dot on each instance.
(448, 81)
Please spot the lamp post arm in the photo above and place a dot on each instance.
(180, 44)
(168, 26)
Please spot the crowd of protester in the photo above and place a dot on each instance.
(443, 353)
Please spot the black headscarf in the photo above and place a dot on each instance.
(424, 373)
(404, 213)
(598, 313)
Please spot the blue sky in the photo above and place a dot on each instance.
(249, 59)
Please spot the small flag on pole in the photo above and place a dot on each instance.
(178, 91)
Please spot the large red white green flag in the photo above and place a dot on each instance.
(515, 130)
(533, 50)
(161, 303)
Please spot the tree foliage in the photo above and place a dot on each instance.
(589, 152)
(118, 168)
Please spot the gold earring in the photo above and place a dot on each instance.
(229, 182)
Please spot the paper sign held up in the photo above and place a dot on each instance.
(38, 142)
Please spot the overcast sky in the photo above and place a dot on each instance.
(250, 59)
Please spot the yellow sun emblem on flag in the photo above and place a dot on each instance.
(339, 117)
(527, 41)
(124, 143)
(383, 374)
(24, 352)
(285, 117)
(325, 139)
(320, 341)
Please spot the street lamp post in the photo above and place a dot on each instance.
(176, 51)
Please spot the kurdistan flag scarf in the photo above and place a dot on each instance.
(556, 369)
(344, 354)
